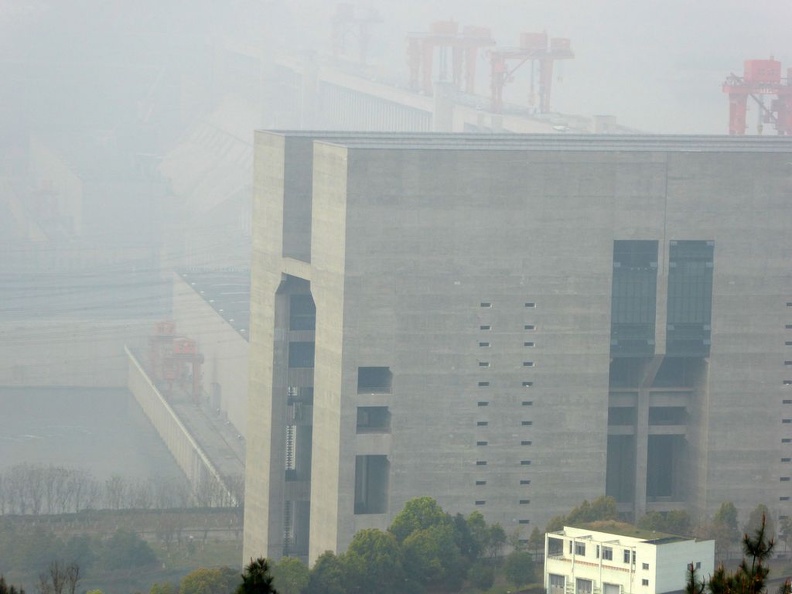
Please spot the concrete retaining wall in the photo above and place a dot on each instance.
(200, 471)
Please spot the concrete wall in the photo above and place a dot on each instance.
(185, 450)
(225, 368)
(68, 352)
(481, 276)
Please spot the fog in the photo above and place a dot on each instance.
(126, 156)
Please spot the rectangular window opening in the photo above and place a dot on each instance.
(371, 484)
(373, 419)
(374, 380)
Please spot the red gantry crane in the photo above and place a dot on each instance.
(445, 36)
(535, 48)
(761, 78)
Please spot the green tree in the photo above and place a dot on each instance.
(373, 563)
(432, 557)
(125, 549)
(164, 588)
(256, 578)
(536, 541)
(758, 517)
(519, 568)
(727, 515)
(601, 508)
(750, 577)
(290, 575)
(328, 575)
(481, 576)
(672, 522)
(7, 589)
(418, 514)
(204, 580)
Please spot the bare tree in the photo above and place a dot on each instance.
(58, 578)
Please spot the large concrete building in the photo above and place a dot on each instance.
(512, 324)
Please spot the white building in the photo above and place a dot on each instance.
(621, 560)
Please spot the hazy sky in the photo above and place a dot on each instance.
(656, 65)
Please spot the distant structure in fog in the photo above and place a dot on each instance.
(512, 324)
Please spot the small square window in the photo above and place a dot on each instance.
(525, 521)
(485, 327)
(698, 564)
(527, 402)
(788, 343)
(786, 402)
(484, 344)
(788, 326)
(645, 566)
(482, 403)
(530, 304)
(788, 382)
(527, 384)
(526, 423)
(786, 440)
(525, 501)
(785, 498)
(484, 364)
(526, 443)
(525, 481)
(529, 344)
(525, 462)
(480, 483)
(786, 421)
(483, 384)
(528, 364)
(482, 423)
(580, 547)
(480, 502)
(789, 303)
(644, 582)
(784, 479)
(529, 327)
(626, 556)
(481, 443)
(787, 362)
(486, 304)
(786, 459)
(481, 462)
(607, 553)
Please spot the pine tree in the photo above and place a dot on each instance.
(256, 579)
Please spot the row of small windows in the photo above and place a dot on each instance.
(488, 304)
(606, 552)
(522, 463)
(485, 384)
(524, 442)
(486, 403)
(488, 327)
(522, 502)
(486, 345)
(487, 363)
